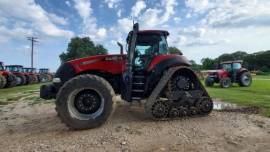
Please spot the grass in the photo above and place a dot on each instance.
(14, 94)
(258, 94)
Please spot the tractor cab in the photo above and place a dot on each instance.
(43, 70)
(1, 66)
(232, 67)
(14, 68)
(149, 43)
(29, 70)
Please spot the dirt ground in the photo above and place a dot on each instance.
(31, 126)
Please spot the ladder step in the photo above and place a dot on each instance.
(136, 98)
(137, 90)
(139, 76)
(138, 83)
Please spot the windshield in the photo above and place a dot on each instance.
(237, 65)
(43, 71)
(29, 70)
(151, 44)
(227, 67)
(14, 68)
(1, 67)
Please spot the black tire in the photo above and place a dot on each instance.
(27, 80)
(245, 79)
(209, 82)
(67, 99)
(225, 82)
(3, 81)
(44, 78)
(11, 81)
(20, 80)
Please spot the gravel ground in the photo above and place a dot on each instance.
(36, 127)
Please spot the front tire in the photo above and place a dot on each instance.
(225, 82)
(209, 82)
(85, 102)
(3, 81)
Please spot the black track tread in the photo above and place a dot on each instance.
(162, 83)
(64, 89)
(152, 98)
(3, 81)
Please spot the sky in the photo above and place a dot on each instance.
(200, 28)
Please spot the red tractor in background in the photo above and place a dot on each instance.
(45, 75)
(85, 88)
(7, 79)
(22, 77)
(230, 72)
(32, 74)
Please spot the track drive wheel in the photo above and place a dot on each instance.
(85, 102)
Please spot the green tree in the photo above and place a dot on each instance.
(195, 66)
(208, 64)
(174, 50)
(81, 47)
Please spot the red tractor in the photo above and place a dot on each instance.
(21, 78)
(32, 74)
(85, 88)
(230, 72)
(45, 75)
(7, 79)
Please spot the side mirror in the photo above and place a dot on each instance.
(121, 48)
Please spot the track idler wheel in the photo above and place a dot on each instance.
(160, 109)
(205, 106)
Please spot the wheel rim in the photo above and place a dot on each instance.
(246, 79)
(226, 83)
(85, 104)
(19, 80)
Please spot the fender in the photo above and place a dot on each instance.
(160, 64)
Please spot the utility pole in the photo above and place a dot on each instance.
(33, 40)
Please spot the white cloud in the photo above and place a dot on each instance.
(137, 8)
(17, 33)
(68, 3)
(197, 5)
(57, 20)
(119, 13)
(102, 32)
(89, 22)
(31, 13)
(154, 17)
(125, 24)
(112, 3)
(177, 19)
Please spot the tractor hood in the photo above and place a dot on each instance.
(93, 59)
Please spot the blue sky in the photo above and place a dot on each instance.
(200, 28)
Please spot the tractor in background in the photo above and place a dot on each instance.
(45, 75)
(7, 79)
(32, 73)
(21, 77)
(229, 72)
